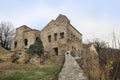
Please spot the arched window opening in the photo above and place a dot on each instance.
(15, 44)
(37, 38)
(26, 42)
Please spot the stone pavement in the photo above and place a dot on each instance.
(71, 70)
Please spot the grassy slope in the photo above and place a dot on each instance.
(2, 50)
(48, 71)
(45, 73)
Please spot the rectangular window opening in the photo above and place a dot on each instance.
(62, 35)
(55, 36)
(49, 38)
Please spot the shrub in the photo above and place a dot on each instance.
(36, 48)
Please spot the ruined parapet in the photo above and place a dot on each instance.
(71, 70)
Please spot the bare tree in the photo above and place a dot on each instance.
(6, 34)
(102, 47)
(115, 41)
(99, 44)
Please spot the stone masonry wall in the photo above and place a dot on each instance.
(58, 36)
(71, 70)
(24, 33)
(72, 38)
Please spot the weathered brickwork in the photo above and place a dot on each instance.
(58, 36)
(25, 36)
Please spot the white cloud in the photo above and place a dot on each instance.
(91, 26)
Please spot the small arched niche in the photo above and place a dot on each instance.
(25, 42)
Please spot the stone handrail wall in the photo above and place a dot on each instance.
(71, 70)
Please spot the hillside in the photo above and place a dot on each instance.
(107, 55)
(2, 50)
(14, 71)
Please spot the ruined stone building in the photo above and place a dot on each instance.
(25, 36)
(58, 36)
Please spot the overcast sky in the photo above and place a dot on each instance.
(93, 18)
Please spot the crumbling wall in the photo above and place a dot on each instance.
(90, 61)
(24, 33)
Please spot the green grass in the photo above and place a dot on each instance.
(49, 72)
(45, 73)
